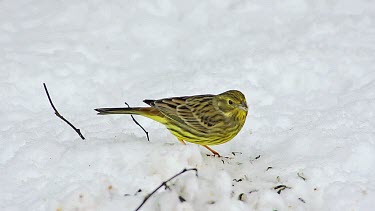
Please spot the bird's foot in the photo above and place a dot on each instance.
(213, 152)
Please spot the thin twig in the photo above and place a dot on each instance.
(59, 115)
(300, 175)
(280, 188)
(165, 184)
(148, 138)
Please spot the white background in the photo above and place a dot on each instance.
(307, 69)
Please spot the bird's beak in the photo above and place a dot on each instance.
(243, 106)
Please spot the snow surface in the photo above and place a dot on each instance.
(307, 69)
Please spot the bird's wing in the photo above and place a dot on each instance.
(168, 107)
(194, 111)
(199, 113)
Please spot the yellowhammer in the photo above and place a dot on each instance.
(200, 119)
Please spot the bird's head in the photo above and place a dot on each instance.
(231, 102)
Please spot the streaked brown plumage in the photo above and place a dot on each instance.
(200, 119)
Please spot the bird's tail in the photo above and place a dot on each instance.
(149, 112)
(136, 110)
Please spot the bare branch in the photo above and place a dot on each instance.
(148, 138)
(59, 115)
(165, 184)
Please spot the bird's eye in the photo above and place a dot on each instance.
(230, 102)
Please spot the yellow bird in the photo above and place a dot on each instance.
(200, 119)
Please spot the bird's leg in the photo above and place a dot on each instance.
(211, 150)
(182, 141)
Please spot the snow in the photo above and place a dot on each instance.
(305, 67)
